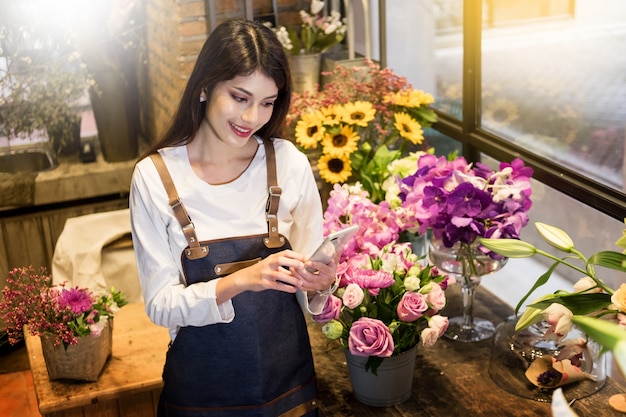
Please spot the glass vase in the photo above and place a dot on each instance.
(468, 265)
(513, 352)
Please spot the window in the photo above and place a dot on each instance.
(547, 86)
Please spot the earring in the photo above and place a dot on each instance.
(202, 99)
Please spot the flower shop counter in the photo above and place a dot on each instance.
(130, 382)
(450, 379)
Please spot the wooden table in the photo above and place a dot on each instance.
(129, 384)
(451, 379)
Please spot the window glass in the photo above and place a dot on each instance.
(449, 56)
(590, 230)
(444, 145)
(553, 82)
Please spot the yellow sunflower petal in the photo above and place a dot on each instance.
(409, 98)
(334, 169)
(409, 128)
(331, 114)
(359, 113)
(310, 130)
(342, 142)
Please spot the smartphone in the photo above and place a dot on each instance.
(332, 246)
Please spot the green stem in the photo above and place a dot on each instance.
(589, 271)
(467, 262)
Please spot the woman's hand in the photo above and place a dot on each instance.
(321, 279)
(272, 273)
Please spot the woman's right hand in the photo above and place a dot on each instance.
(271, 273)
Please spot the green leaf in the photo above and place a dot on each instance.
(540, 281)
(373, 362)
(578, 304)
(295, 40)
(609, 259)
(606, 333)
(530, 316)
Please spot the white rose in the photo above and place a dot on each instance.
(412, 283)
(352, 296)
(429, 337)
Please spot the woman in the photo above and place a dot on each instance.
(221, 230)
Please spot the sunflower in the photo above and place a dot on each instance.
(410, 98)
(332, 114)
(500, 113)
(310, 129)
(340, 141)
(409, 128)
(359, 113)
(334, 169)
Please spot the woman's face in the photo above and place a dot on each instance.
(239, 107)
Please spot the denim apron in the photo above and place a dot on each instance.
(260, 364)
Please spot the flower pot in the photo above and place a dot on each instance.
(65, 136)
(81, 362)
(305, 72)
(513, 352)
(392, 385)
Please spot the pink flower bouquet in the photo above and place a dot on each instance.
(386, 302)
(29, 298)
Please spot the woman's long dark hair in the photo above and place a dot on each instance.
(234, 48)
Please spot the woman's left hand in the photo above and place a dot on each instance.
(321, 279)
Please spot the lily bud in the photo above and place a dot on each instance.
(555, 237)
(511, 248)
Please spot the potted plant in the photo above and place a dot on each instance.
(74, 324)
(41, 80)
(111, 46)
(306, 43)
(359, 124)
(386, 300)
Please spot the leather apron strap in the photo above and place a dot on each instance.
(195, 250)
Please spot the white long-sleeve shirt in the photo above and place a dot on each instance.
(217, 211)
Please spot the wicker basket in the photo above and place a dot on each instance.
(81, 362)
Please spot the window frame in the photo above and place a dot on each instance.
(476, 140)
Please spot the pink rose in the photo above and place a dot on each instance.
(411, 306)
(352, 296)
(439, 323)
(437, 326)
(436, 298)
(370, 337)
(429, 337)
(331, 310)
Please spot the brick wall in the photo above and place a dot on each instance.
(175, 31)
